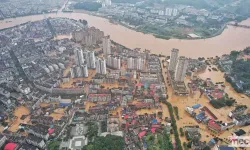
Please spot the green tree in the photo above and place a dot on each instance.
(229, 102)
(110, 142)
(54, 145)
(234, 54)
(206, 148)
(90, 6)
(182, 132)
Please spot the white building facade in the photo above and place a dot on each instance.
(79, 59)
(173, 59)
(136, 63)
(114, 62)
(106, 46)
(101, 66)
(181, 69)
(89, 56)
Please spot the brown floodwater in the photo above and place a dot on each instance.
(232, 38)
(19, 111)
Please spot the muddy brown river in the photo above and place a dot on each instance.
(232, 38)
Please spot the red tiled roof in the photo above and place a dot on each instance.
(141, 134)
(125, 116)
(51, 130)
(213, 124)
(139, 84)
(10, 146)
(153, 130)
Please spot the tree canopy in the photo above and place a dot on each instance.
(110, 142)
(90, 6)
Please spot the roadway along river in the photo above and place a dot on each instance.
(232, 38)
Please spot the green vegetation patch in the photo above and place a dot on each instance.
(241, 70)
(174, 126)
(110, 142)
(225, 101)
(54, 145)
(90, 6)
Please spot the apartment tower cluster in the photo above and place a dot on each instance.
(106, 3)
(88, 37)
(86, 59)
(136, 63)
(114, 62)
(80, 69)
(177, 71)
(178, 65)
(106, 46)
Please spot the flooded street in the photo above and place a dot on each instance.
(19, 111)
(218, 76)
(183, 101)
(232, 38)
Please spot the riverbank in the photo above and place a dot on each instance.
(160, 36)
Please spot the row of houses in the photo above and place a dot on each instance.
(85, 117)
(104, 108)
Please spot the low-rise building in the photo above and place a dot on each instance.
(27, 147)
(193, 132)
(46, 120)
(198, 145)
(242, 120)
(85, 117)
(214, 126)
(239, 110)
(78, 142)
(3, 139)
(38, 130)
(225, 126)
(99, 97)
(36, 141)
(113, 124)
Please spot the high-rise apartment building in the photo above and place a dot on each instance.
(113, 62)
(181, 69)
(79, 71)
(171, 12)
(106, 46)
(130, 63)
(175, 12)
(72, 72)
(136, 63)
(140, 63)
(85, 72)
(101, 66)
(168, 11)
(89, 57)
(88, 37)
(79, 59)
(106, 3)
(173, 59)
(78, 36)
